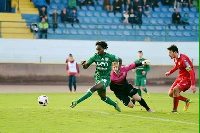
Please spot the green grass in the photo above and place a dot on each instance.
(20, 113)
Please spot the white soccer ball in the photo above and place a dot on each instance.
(43, 100)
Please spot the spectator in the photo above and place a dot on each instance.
(72, 71)
(40, 3)
(138, 19)
(171, 3)
(8, 6)
(132, 17)
(117, 6)
(48, 2)
(72, 4)
(81, 3)
(137, 5)
(126, 4)
(107, 5)
(43, 13)
(145, 5)
(165, 2)
(185, 20)
(74, 17)
(176, 17)
(54, 16)
(89, 2)
(125, 17)
(43, 28)
(64, 16)
(187, 3)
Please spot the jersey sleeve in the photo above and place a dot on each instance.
(173, 69)
(113, 58)
(189, 68)
(91, 60)
(129, 67)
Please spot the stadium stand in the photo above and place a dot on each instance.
(95, 23)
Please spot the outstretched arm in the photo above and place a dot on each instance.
(171, 71)
(84, 64)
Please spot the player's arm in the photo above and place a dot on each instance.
(88, 63)
(136, 64)
(171, 71)
(192, 74)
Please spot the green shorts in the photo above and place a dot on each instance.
(140, 81)
(104, 81)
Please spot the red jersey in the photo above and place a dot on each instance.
(185, 67)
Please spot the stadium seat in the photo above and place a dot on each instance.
(171, 10)
(154, 15)
(157, 9)
(153, 21)
(81, 13)
(160, 21)
(118, 14)
(98, 8)
(126, 33)
(96, 14)
(162, 15)
(100, 2)
(113, 27)
(145, 21)
(141, 33)
(196, 21)
(193, 9)
(191, 15)
(61, 25)
(94, 20)
(180, 28)
(164, 9)
(54, 6)
(81, 32)
(162, 33)
(197, 15)
(73, 32)
(86, 20)
(84, 8)
(89, 14)
(61, 6)
(76, 26)
(107, 27)
(88, 32)
(103, 14)
(171, 33)
(149, 33)
(151, 27)
(84, 26)
(186, 33)
(68, 25)
(169, 15)
(111, 14)
(156, 33)
(50, 31)
(185, 9)
(58, 31)
(136, 27)
(179, 33)
(101, 21)
(111, 32)
(121, 27)
(188, 27)
(128, 27)
(91, 8)
(173, 27)
(119, 33)
(104, 32)
(167, 21)
(144, 27)
(92, 26)
(109, 20)
(116, 21)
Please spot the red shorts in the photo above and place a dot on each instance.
(182, 83)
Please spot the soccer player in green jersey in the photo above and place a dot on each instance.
(140, 76)
(103, 63)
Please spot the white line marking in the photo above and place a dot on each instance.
(136, 116)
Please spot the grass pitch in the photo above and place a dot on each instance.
(20, 113)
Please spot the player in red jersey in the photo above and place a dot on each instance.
(185, 80)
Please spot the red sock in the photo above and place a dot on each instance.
(176, 100)
(182, 98)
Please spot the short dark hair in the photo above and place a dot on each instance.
(103, 44)
(70, 55)
(173, 48)
(140, 51)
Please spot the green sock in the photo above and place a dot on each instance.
(139, 92)
(109, 101)
(88, 94)
(145, 90)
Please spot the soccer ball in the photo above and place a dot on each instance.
(43, 100)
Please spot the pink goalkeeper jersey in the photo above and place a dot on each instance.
(123, 73)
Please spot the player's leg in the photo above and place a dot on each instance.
(137, 85)
(74, 82)
(184, 85)
(143, 86)
(133, 93)
(102, 94)
(87, 94)
(70, 83)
